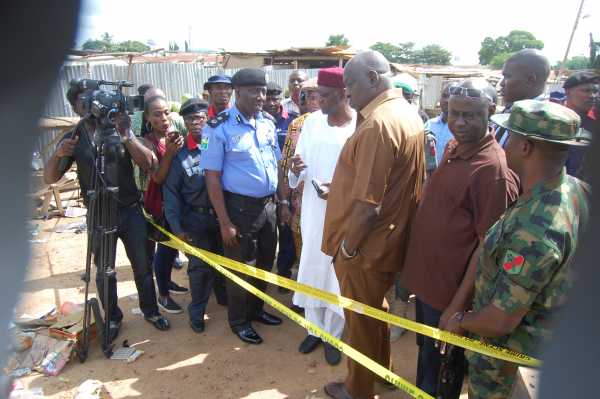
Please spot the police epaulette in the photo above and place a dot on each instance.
(269, 116)
(222, 117)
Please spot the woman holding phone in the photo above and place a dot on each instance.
(165, 143)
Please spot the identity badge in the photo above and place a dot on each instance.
(204, 143)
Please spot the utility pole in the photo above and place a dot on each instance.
(562, 65)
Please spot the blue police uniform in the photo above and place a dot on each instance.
(187, 209)
(246, 153)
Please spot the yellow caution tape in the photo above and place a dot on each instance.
(347, 303)
(355, 355)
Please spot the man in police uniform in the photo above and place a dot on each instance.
(220, 90)
(526, 265)
(190, 214)
(240, 161)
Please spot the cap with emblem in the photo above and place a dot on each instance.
(249, 77)
(274, 88)
(580, 78)
(217, 79)
(192, 106)
(544, 121)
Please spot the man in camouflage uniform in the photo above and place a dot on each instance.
(525, 268)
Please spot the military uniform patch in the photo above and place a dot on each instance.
(204, 143)
(513, 262)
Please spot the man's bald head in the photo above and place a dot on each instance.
(469, 107)
(525, 74)
(295, 82)
(366, 76)
(153, 92)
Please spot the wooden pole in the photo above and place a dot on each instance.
(129, 70)
(562, 64)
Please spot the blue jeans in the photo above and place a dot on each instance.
(205, 233)
(163, 266)
(133, 233)
(428, 365)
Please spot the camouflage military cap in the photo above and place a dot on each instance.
(544, 121)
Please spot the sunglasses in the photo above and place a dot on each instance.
(468, 92)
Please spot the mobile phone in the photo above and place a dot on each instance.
(317, 185)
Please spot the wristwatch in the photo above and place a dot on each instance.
(345, 252)
(128, 138)
(284, 202)
(459, 316)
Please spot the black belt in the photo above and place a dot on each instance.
(254, 200)
(204, 210)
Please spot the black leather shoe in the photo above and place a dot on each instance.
(249, 335)
(158, 321)
(268, 319)
(197, 326)
(114, 328)
(309, 344)
(332, 355)
(337, 390)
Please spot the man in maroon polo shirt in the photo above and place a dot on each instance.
(468, 192)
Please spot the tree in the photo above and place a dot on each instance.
(499, 59)
(432, 54)
(131, 46)
(96, 45)
(403, 53)
(337, 40)
(515, 41)
(576, 63)
(107, 45)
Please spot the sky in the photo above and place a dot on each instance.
(458, 25)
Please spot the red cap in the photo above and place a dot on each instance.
(331, 77)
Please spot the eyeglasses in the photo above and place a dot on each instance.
(468, 92)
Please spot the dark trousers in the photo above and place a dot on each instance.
(133, 233)
(205, 234)
(287, 251)
(163, 266)
(256, 222)
(430, 360)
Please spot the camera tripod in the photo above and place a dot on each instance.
(102, 225)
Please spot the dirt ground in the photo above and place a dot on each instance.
(180, 363)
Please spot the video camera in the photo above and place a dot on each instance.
(104, 104)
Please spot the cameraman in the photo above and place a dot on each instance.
(78, 146)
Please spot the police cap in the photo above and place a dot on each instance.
(192, 106)
(217, 79)
(274, 88)
(249, 77)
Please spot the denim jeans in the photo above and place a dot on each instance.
(429, 362)
(163, 266)
(132, 231)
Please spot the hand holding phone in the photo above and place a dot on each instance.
(321, 189)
